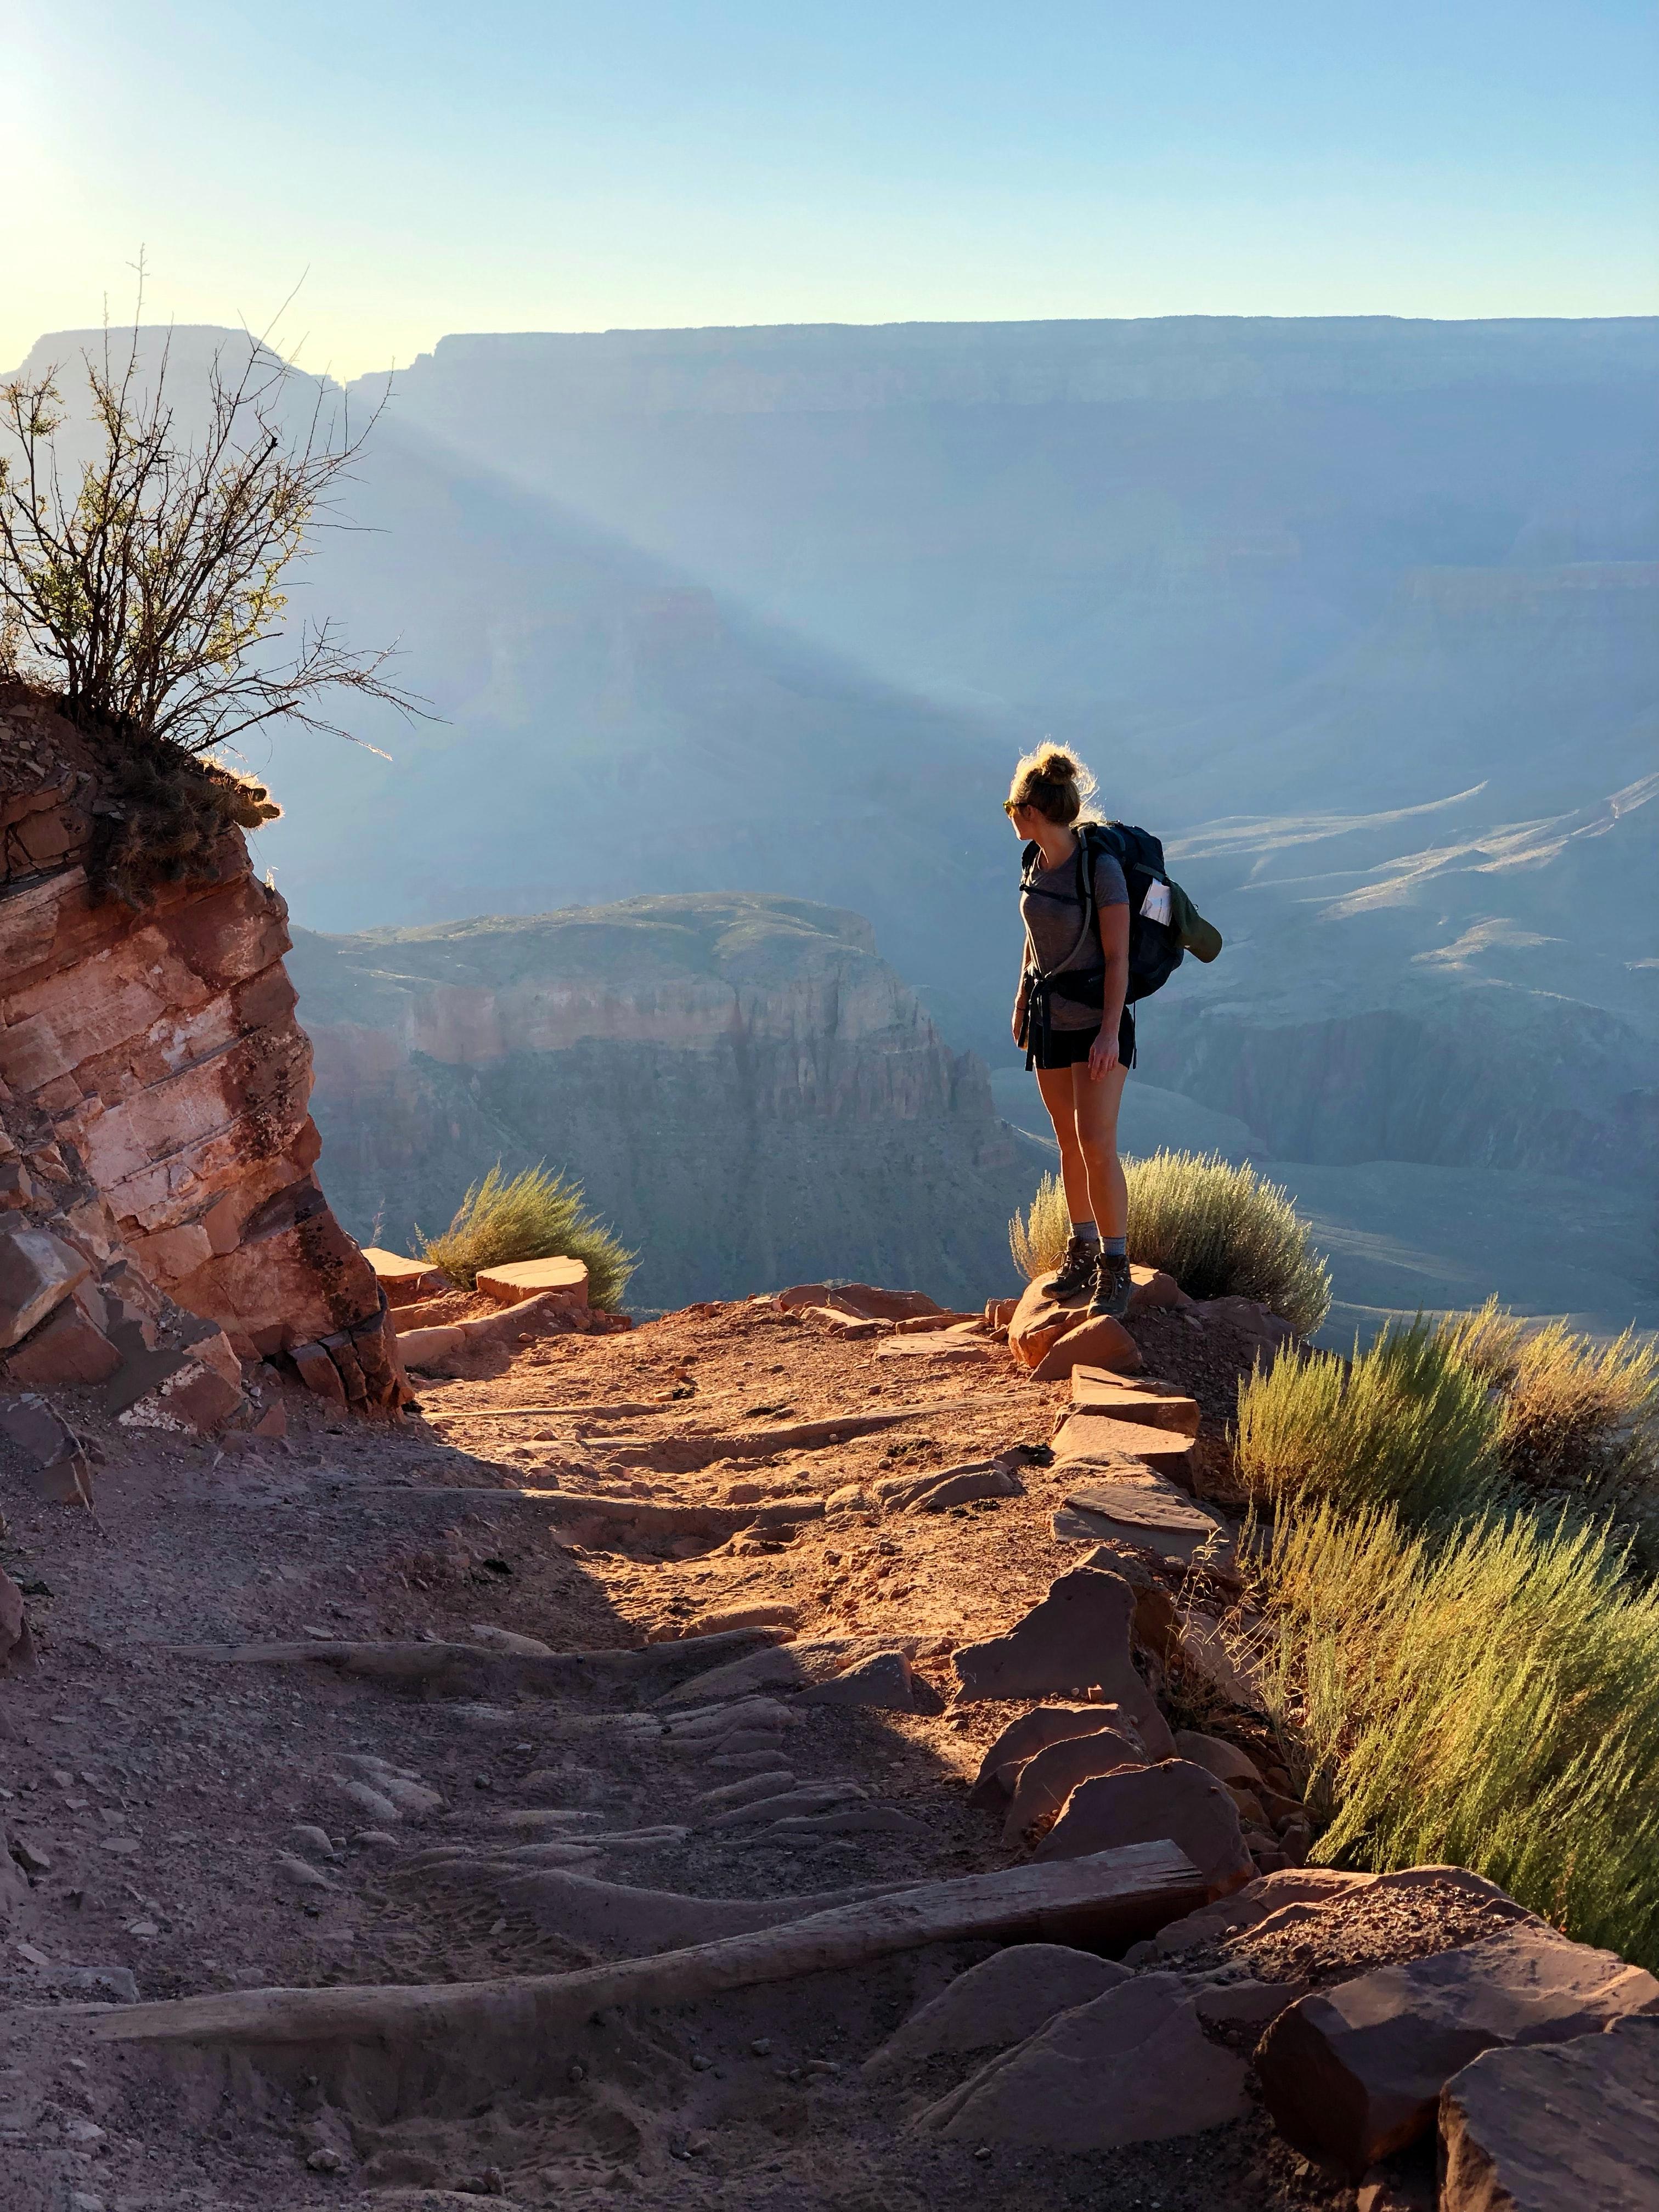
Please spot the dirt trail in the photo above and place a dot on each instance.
(194, 1826)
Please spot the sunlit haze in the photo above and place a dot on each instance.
(514, 166)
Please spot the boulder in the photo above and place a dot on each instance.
(1039, 1327)
(1049, 1776)
(1152, 1515)
(999, 2002)
(1136, 1805)
(1076, 1639)
(38, 1270)
(1022, 1739)
(57, 1466)
(518, 1279)
(68, 1350)
(1542, 2127)
(1131, 2066)
(963, 1324)
(1351, 2075)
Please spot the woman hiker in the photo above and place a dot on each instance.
(1070, 1015)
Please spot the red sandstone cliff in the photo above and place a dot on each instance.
(156, 1139)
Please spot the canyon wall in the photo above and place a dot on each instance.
(747, 1092)
(154, 1090)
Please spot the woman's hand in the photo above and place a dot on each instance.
(1019, 1017)
(1103, 1054)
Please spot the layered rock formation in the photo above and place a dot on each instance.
(746, 1090)
(154, 1088)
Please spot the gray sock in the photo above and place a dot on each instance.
(1115, 1248)
(1085, 1232)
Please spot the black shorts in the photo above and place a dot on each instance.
(1070, 1047)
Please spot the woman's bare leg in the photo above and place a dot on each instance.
(1058, 1090)
(1094, 1123)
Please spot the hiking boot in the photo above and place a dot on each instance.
(1076, 1278)
(1113, 1283)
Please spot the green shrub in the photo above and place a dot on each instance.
(1407, 1424)
(532, 1216)
(1221, 1231)
(1224, 1231)
(1491, 1703)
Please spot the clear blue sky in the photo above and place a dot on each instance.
(534, 165)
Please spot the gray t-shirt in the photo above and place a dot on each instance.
(1053, 915)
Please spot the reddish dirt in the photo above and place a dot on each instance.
(154, 1788)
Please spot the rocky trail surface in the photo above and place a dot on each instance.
(787, 1754)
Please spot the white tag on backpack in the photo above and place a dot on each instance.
(1156, 906)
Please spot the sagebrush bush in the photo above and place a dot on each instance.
(530, 1216)
(1407, 1424)
(1577, 1420)
(1490, 1700)
(1222, 1231)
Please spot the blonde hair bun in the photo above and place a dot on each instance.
(1054, 781)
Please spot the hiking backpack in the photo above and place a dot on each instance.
(1156, 946)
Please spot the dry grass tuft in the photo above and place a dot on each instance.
(1221, 1231)
(1407, 1424)
(1491, 1701)
(532, 1216)
(1037, 1238)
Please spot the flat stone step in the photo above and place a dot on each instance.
(1087, 1434)
(1151, 1515)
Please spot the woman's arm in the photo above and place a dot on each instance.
(1114, 943)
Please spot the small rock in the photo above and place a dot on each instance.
(997, 2003)
(1224, 1760)
(1140, 1805)
(1133, 2066)
(325, 2160)
(372, 1801)
(300, 1874)
(31, 1860)
(314, 1841)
